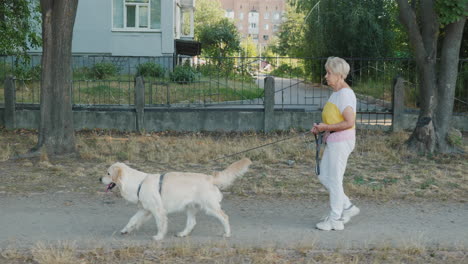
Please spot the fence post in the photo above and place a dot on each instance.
(398, 104)
(269, 104)
(140, 103)
(10, 103)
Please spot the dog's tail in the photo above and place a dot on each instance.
(224, 179)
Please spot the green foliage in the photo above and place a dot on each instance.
(23, 72)
(209, 12)
(249, 48)
(19, 26)
(220, 39)
(352, 28)
(292, 35)
(103, 70)
(150, 69)
(286, 70)
(183, 74)
(451, 11)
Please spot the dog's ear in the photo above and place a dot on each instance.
(117, 175)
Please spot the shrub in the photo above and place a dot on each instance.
(183, 74)
(285, 70)
(23, 72)
(102, 70)
(150, 69)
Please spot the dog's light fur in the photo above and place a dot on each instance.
(180, 191)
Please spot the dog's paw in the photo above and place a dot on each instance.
(181, 234)
(158, 237)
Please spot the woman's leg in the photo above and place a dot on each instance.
(335, 167)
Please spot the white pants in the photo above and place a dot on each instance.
(332, 168)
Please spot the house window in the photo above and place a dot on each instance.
(240, 27)
(266, 15)
(255, 36)
(277, 16)
(229, 13)
(275, 28)
(241, 16)
(265, 37)
(267, 27)
(136, 14)
(253, 25)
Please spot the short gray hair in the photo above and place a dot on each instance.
(337, 66)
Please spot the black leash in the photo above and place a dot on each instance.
(318, 143)
(247, 150)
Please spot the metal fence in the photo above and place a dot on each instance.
(229, 82)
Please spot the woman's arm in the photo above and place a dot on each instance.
(349, 119)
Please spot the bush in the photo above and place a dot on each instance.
(150, 69)
(102, 70)
(183, 74)
(28, 73)
(285, 70)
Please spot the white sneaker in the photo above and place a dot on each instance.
(330, 224)
(348, 213)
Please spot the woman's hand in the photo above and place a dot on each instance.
(314, 130)
(320, 127)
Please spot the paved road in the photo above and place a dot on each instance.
(96, 220)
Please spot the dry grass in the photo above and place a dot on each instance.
(65, 253)
(380, 167)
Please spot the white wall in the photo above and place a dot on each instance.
(93, 32)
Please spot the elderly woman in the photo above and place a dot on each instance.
(338, 118)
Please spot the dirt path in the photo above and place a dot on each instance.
(257, 222)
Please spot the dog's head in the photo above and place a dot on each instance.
(114, 176)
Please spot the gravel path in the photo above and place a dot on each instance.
(259, 222)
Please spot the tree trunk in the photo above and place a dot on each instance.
(437, 87)
(447, 82)
(56, 130)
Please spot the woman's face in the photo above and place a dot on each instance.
(332, 78)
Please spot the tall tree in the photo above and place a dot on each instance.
(207, 13)
(220, 39)
(56, 129)
(291, 38)
(18, 21)
(424, 20)
(352, 28)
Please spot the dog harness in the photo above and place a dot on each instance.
(161, 178)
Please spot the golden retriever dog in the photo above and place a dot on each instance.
(160, 194)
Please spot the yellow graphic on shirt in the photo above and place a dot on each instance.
(331, 114)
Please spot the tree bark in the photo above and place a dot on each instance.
(424, 43)
(56, 129)
(438, 80)
(447, 82)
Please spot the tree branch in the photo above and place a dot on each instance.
(408, 19)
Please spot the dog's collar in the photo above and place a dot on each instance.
(161, 178)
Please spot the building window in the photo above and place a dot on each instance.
(230, 14)
(266, 15)
(265, 37)
(240, 27)
(136, 15)
(255, 36)
(275, 28)
(266, 27)
(253, 25)
(277, 15)
(241, 16)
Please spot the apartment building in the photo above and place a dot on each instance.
(258, 19)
